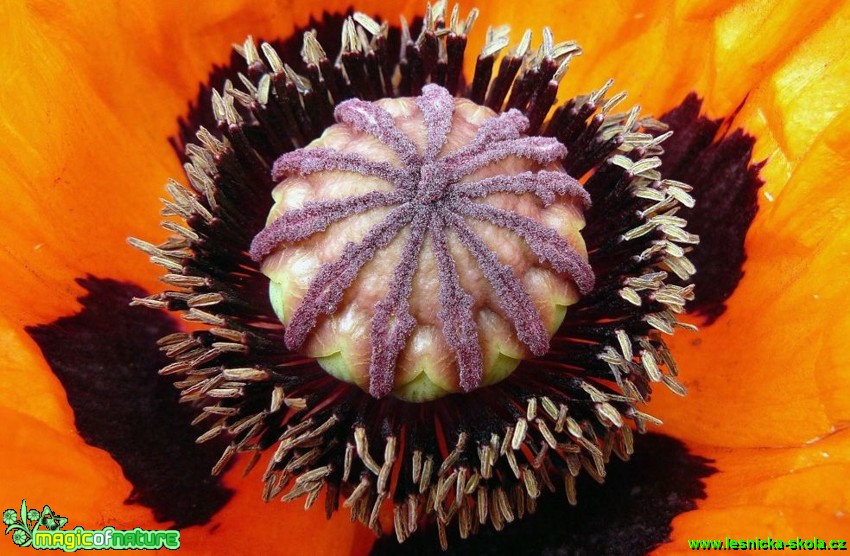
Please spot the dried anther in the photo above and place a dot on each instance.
(468, 190)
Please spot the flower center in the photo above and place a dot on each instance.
(424, 246)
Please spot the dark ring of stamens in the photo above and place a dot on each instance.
(467, 459)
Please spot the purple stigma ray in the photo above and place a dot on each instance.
(428, 198)
(370, 118)
(546, 243)
(388, 338)
(327, 288)
(504, 127)
(456, 306)
(437, 107)
(316, 216)
(544, 184)
(543, 150)
(310, 161)
(512, 296)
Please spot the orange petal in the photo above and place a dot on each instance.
(779, 492)
(55, 467)
(776, 362)
(45, 460)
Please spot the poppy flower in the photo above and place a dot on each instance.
(93, 96)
